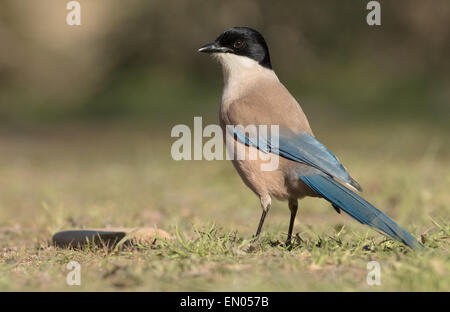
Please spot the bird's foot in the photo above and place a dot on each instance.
(292, 242)
(288, 242)
(253, 246)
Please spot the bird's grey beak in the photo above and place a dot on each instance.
(213, 47)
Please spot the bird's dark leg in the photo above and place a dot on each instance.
(265, 204)
(261, 222)
(293, 206)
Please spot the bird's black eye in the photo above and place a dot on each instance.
(238, 44)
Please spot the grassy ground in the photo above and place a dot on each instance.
(52, 180)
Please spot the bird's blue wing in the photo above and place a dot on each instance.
(358, 208)
(303, 148)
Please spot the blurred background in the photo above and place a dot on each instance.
(86, 111)
(138, 60)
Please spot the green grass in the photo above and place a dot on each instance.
(101, 176)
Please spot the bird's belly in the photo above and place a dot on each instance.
(262, 182)
(281, 183)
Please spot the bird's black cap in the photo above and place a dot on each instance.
(243, 41)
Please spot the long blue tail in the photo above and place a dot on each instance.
(358, 208)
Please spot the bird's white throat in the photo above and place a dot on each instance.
(237, 66)
(233, 63)
(240, 71)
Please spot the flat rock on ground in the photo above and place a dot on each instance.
(107, 237)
